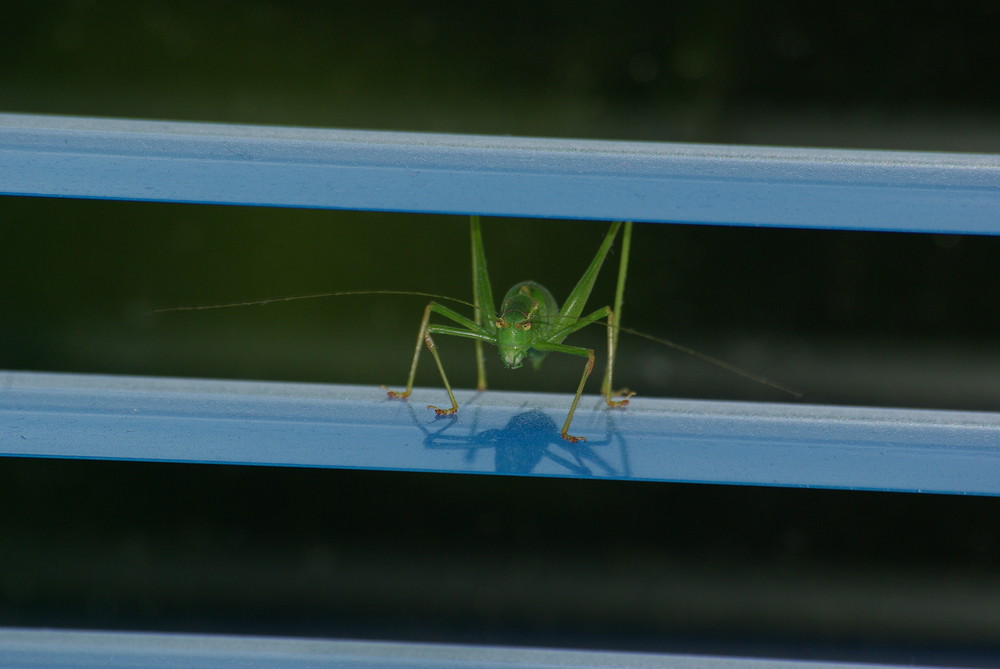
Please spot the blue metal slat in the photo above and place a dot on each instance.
(111, 650)
(503, 176)
(305, 425)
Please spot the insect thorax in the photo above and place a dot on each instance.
(525, 317)
(529, 301)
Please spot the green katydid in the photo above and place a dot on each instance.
(529, 324)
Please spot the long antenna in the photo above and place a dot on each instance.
(342, 293)
(739, 371)
(716, 362)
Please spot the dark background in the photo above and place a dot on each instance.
(845, 317)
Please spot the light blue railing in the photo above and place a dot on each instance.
(503, 176)
(156, 419)
(48, 415)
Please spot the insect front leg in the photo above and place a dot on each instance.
(479, 336)
(421, 333)
(587, 369)
(579, 324)
(429, 342)
(469, 331)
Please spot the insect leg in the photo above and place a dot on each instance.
(482, 295)
(577, 300)
(472, 331)
(588, 368)
(606, 387)
(444, 379)
(615, 319)
(429, 342)
(579, 324)
(402, 395)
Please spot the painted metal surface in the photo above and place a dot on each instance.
(501, 176)
(282, 424)
(118, 650)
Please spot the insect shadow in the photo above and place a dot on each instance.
(527, 440)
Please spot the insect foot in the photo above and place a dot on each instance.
(394, 395)
(624, 394)
(443, 412)
(571, 439)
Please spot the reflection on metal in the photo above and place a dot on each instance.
(65, 156)
(178, 420)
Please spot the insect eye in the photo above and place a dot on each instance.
(501, 323)
(526, 325)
